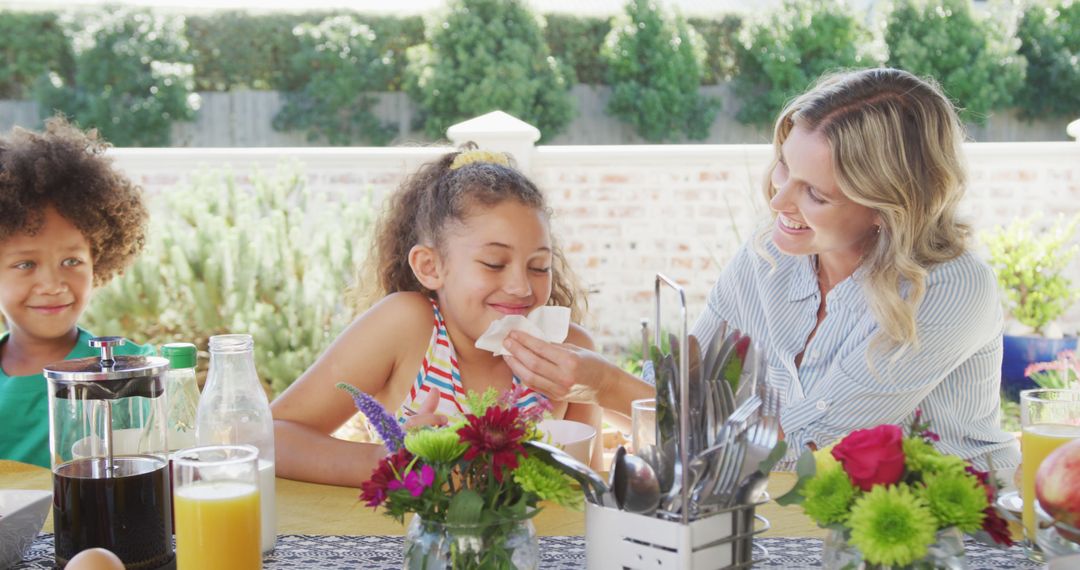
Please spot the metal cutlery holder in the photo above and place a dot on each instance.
(617, 540)
(718, 539)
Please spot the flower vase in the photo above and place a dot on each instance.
(948, 552)
(501, 544)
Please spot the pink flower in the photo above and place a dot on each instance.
(415, 482)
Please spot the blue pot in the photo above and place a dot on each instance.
(1021, 351)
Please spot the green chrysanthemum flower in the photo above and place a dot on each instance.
(435, 445)
(828, 497)
(892, 526)
(478, 402)
(922, 457)
(955, 500)
(546, 482)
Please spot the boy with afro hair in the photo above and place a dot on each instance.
(69, 222)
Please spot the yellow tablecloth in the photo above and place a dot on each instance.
(307, 508)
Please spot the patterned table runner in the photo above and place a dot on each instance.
(559, 553)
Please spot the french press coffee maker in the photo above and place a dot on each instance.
(107, 434)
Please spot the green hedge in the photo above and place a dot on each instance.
(978, 63)
(779, 56)
(487, 55)
(131, 77)
(654, 61)
(344, 67)
(1050, 40)
(33, 44)
(973, 60)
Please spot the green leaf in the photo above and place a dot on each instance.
(466, 508)
(805, 468)
(774, 457)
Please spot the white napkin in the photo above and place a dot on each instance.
(545, 323)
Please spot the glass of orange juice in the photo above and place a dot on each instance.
(216, 503)
(1048, 418)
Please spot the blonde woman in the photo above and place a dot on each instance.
(863, 288)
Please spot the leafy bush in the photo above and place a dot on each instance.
(779, 57)
(34, 43)
(654, 68)
(973, 60)
(131, 78)
(271, 260)
(237, 50)
(576, 41)
(1050, 41)
(721, 39)
(1030, 266)
(488, 55)
(343, 70)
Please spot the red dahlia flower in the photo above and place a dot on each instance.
(498, 434)
(373, 491)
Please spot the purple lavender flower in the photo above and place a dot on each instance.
(385, 425)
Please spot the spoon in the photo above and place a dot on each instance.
(595, 489)
(635, 485)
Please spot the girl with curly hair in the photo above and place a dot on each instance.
(69, 221)
(465, 242)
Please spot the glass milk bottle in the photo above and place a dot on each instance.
(234, 409)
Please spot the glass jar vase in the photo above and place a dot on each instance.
(947, 553)
(501, 544)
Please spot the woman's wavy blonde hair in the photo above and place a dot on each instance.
(896, 148)
(447, 190)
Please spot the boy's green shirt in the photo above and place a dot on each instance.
(24, 405)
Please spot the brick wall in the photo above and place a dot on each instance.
(625, 212)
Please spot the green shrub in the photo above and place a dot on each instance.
(974, 61)
(779, 57)
(271, 260)
(576, 41)
(344, 69)
(237, 50)
(721, 39)
(488, 55)
(1030, 267)
(34, 43)
(131, 78)
(1050, 41)
(654, 68)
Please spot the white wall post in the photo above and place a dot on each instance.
(499, 131)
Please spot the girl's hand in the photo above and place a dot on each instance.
(426, 416)
(559, 371)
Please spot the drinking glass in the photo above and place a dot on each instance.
(1048, 419)
(643, 423)
(216, 499)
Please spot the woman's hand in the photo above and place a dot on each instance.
(559, 371)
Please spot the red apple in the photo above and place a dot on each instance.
(1057, 485)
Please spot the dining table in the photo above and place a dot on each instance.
(326, 527)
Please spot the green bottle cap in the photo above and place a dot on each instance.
(180, 354)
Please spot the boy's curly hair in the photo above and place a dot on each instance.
(66, 168)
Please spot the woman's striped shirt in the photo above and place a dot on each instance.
(953, 376)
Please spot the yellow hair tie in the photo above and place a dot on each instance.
(479, 156)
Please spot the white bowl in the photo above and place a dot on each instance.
(22, 513)
(573, 437)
